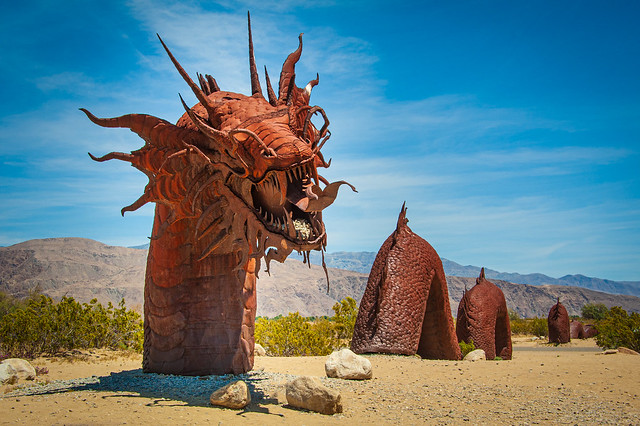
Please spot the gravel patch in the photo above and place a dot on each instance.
(194, 390)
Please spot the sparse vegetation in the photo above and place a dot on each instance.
(42, 326)
(346, 312)
(9, 304)
(530, 326)
(513, 315)
(295, 335)
(618, 328)
(594, 311)
(465, 347)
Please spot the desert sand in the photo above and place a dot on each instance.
(567, 384)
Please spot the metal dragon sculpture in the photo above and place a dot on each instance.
(235, 180)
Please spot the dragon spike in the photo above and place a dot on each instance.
(255, 80)
(272, 95)
(213, 85)
(202, 97)
(204, 84)
(288, 73)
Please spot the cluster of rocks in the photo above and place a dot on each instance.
(14, 369)
(304, 392)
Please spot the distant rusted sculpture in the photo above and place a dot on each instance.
(582, 331)
(483, 318)
(235, 180)
(405, 307)
(590, 331)
(576, 329)
(558, 321)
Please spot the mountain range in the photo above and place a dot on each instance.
(362, 261)
(86, 269)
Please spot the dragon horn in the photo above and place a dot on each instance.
(255, 80)
(312, 84)
(288, 73)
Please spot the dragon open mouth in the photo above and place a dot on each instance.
(281, 202)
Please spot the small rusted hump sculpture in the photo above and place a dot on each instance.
(576, 330)
(590, 331)
(405, 307)
(483, 317)
(234, 181)
(558, 321)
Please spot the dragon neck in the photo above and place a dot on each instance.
(199, 316)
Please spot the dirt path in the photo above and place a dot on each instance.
(569, 384)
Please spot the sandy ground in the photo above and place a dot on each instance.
(567, 384)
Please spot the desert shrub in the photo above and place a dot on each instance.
(539, 327)
(530, 326)
(618, 328)
(346, 312)
(44, 326)
(519, 326)
(513, 315)
(595, 311)
(465, 347)
(9, 304)
(294, 335)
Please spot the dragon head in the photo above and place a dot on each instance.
(247, 165)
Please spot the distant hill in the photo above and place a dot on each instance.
(362, 261)
(85, 269)
(76, 267)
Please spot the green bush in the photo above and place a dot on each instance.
(530, 326)
(619, 329)
(294, 335)
(539, 327)
(44, 326)
(346, 312)
(513, 315)
(465, 347)
(595, 311)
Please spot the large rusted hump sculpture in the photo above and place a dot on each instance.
(405, 307)
(558, 322)
(483, 318)
(234, 181)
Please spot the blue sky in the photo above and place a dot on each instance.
(511, 129)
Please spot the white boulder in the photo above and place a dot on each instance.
(23, 368)
(310, 394)
(344, 364)
(477, 355)
(235, 395)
